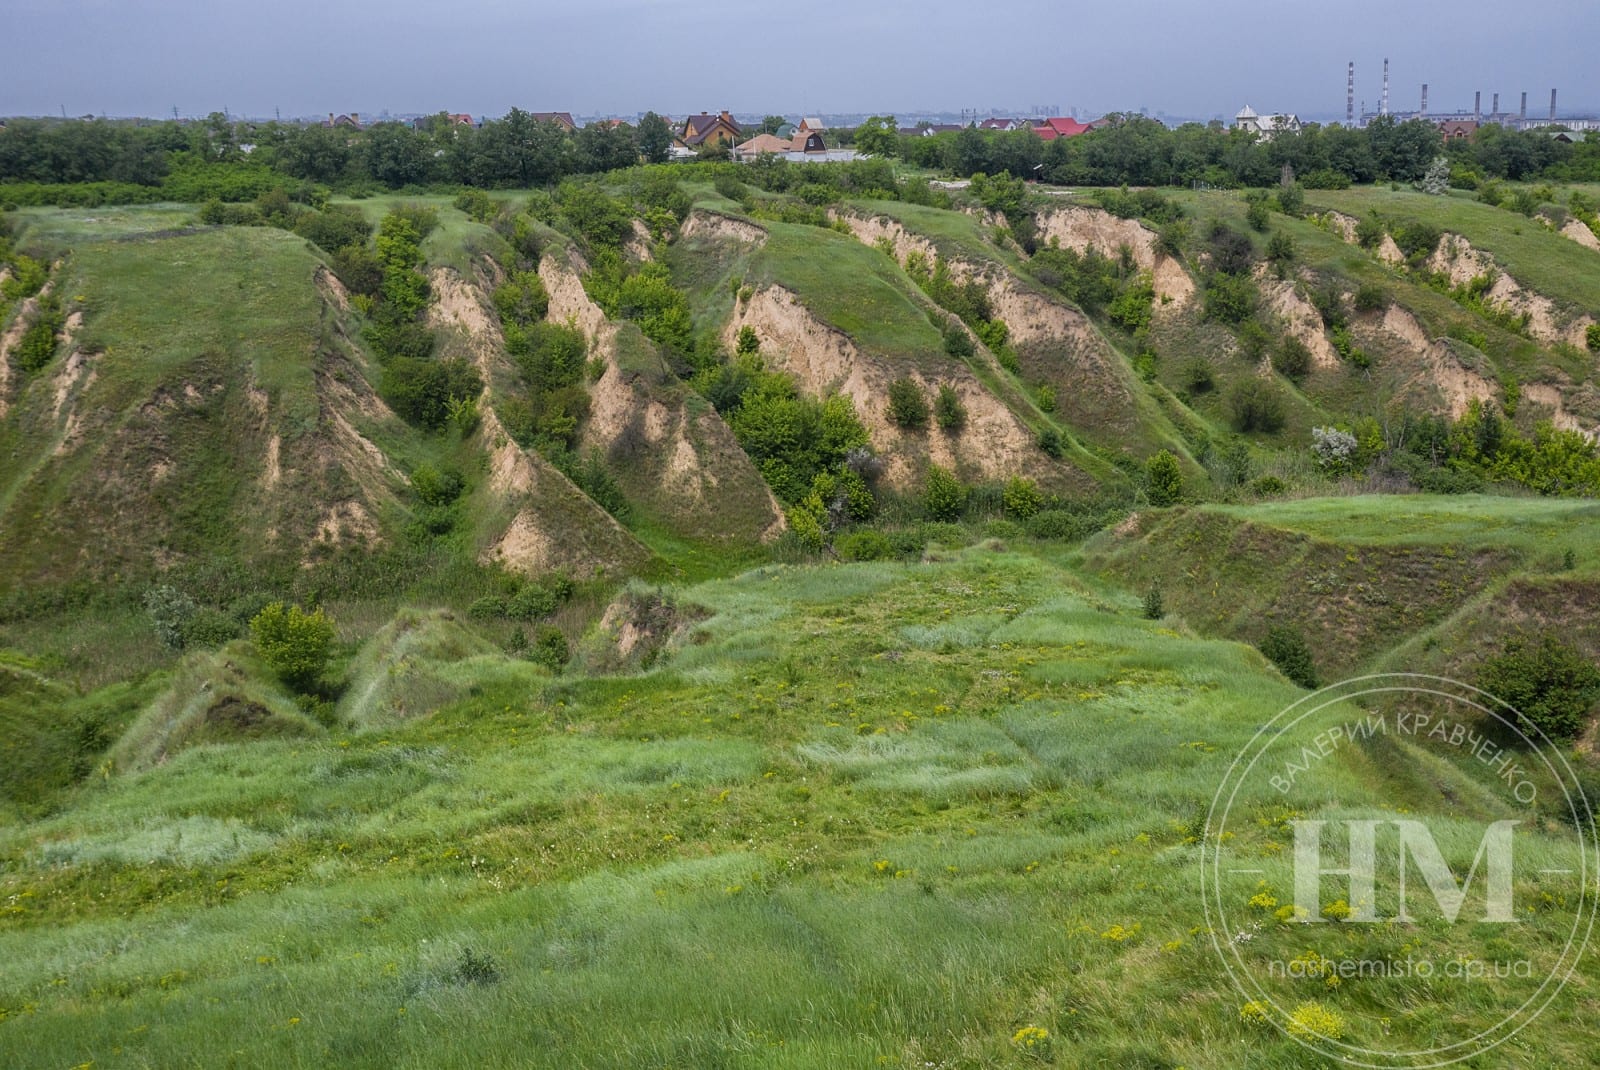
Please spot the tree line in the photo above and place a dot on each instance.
(1136, 151)
(233, 161)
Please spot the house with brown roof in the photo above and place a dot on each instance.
(707, 129)
(802, 144)
(810, 124)
(348, 122)
(1458, 129)
(562, 119)
(1001, 124)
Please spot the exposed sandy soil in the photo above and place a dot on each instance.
(1069, 351)
(1457, 258)
(995, 443)
(702, 222)
(346, 521)
(642, 423)
(1081, 228)
(1300, 317)
(870, 230)
(1551, 397)
(1579, 231)
(1439, 367)
(13, 335)
(333, 289)
(568, 301)
(521, 478)
(638, 246)
(1387, 250)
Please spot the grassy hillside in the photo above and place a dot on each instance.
(1357, 576)
(805, 839)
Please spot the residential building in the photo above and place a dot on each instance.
(1265, 126)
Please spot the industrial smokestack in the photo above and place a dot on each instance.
(1350, 96)
(1383, 108)
(1495, 110)
(1477, 106)
(1524, 113)
(1424, 110)
(1552, 105)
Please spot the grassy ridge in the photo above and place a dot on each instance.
(805, 840)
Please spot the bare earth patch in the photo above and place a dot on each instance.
(1081, 228)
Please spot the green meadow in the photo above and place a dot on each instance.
(875, 814)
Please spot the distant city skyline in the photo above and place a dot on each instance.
(620, 57)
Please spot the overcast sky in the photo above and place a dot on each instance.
(310, 57)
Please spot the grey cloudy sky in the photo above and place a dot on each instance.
(309, 57)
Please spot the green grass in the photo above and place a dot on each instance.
(872, 812)
(1535, 256)
(1358, 576)
(1534, 527)
(848, 286)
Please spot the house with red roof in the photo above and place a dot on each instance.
(1050, 129)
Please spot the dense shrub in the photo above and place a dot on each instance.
(908, 407)
(1551, 685)
(1292, 359)
(1021, 497)
(1163, 480)
(421, 391)
(1371, 297)
(948, 411)
(335, 227)
(169, 610)
(867, 545)
(1255, 404)
(1286, 648)
(37, 347)
(944, 495)
(1229, 298)
(294, 644)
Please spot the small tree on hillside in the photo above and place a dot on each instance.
(1551, 685)
(1021, 497)
(1163, 480)
(292, 642)
(1292, 359)
(908, 408)
(945, 497)
(1436, 180)
(1286, 648)
(948, 411)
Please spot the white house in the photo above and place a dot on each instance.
(1265, 126)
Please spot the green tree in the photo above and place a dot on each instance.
(294, 644)
(944, 496)
(654, 137)
(1551, 685)
(771, 124)
(1292, 359)
(878, 137)
(1286, 648)
(1021, 497)
(948, 410)
(908, 408)
(1163, 480)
